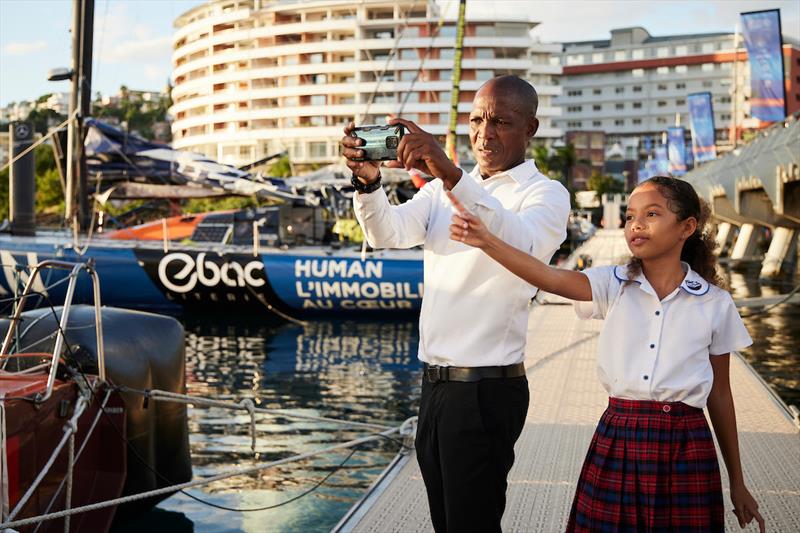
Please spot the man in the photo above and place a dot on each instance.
(474, 313)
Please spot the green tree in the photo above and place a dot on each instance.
(604, 184)
(281, 168)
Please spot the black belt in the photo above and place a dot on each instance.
(435, 374)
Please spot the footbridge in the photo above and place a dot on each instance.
(754, 192)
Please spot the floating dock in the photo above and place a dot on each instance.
(566, 403)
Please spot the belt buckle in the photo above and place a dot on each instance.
(433, 373)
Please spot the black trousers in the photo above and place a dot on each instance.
(465, 448)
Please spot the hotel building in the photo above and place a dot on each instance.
(256, 77)
(633, 85)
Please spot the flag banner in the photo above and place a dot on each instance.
(677, 151)
(662, 161)
(762, 37)
(701, 120)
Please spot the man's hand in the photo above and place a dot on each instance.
(368, 171)
(419, 149)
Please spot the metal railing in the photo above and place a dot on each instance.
(75, 269)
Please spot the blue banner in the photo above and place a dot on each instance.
(677, 151)
(662, 161)
(701, 118)
(648, 145)
(762, 37)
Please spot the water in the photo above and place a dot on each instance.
(360, 371)
(363, 371)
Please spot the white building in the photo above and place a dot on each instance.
(255, 77)
(633, 85)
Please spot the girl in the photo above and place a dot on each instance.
(664, 352)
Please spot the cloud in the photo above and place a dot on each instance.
(20, 48)
(121, 39)
(155, 73)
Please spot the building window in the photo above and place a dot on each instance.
(619, 106)
(708, 48)
(409, 53)
(408, 75)
(597, 91)
(619, 122)
(484, 53)
(637, 121)
(707, 83)
(725, 116)
(661, 120)
(681, 50)
(596, 123)
(707, 67)
(662, 70)
(576, 59)
(574, 109)
(318, 149)
(662, 103)
(597, 58)
(574, 124)
(662, 51)
(638, 54)
(484, 75)
(318, 99)
(447, 53)
(637, 105)
(637, 72)
(597, 107)
(620, 55)
(724, 99)
(681, 69)
(578, 92)
(725, 66)
(447, 31)
(662, 86)
(619, 90)
(680, 85)
(444, 96)
(637, 88)
(680, 101)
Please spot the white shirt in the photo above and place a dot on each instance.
(474, 312)
(660, 350)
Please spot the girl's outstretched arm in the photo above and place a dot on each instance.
(723, 417)
(469, 229)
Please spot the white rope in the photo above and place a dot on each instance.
(40, 141)
(80, 452)
(3, 461)
(157, 394)
(69, 428)
(199, 482)
(70, 468)
(248, 404)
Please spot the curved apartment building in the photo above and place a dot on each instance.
(255, 77)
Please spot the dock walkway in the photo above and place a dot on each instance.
(566, 403)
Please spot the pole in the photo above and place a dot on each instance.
(85, 79)
(450, 143)
(69, 192)
(735, 121)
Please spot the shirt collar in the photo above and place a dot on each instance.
(693, 283)
(520, 173)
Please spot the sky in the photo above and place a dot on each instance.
(132, 39)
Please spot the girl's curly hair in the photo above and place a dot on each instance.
(698, 250)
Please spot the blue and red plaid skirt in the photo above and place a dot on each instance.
(651, 467)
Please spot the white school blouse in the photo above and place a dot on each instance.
(651, 349)
(474, 311)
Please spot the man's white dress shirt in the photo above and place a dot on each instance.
(651, 349)
(474, 311)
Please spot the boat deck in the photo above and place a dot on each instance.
(566, 402)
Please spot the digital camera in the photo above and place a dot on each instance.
(380, 142)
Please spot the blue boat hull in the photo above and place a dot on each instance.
(302, 280)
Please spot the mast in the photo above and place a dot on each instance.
(450, 143)
(85, 79)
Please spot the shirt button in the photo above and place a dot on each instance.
(667, 408)
(646, 378)
(658, 313)
(652, 346)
